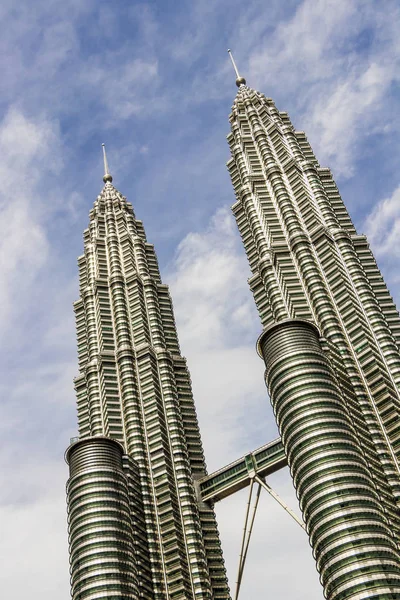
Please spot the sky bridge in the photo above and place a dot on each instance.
(237, 475)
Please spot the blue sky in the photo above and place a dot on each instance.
(153, 81)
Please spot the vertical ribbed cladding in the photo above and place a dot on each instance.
(101, 536)
(355, 551)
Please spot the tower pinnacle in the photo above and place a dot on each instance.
(106, 176)
(239, 80)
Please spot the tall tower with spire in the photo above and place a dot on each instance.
(330, 345)
(141, 522)
(137, 525)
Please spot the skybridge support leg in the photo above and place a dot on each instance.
(239, 574)
(246, 535)
(247, 531)
(276, 497)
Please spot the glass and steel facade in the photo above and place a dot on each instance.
(331, 348)
(137, 526)
(141, 523)
(101, 510)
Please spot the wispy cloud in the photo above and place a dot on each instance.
(352, 112)
(119, 85)
(28, 148)
(382, 226)
(337, 61)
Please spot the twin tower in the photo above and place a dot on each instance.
(140, 503)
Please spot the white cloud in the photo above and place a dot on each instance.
(351, 112)
(122, 85)
(28, 148)
(36, 371)
(69, 58)
(218, 326)
(58, 45)
(337, 61)
(304, 42)
(33, 542)
(206, 286)
(382, 226)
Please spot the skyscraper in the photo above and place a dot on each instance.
(137, 525)
(140, 520)
(331, 348)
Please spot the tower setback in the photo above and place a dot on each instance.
(137, 525)
(331, 348)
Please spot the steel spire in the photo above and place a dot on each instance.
(106, 176)
(239, 80)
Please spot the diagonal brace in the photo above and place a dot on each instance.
(280, 501)
(246, 535)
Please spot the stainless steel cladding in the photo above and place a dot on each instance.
(354, 547)
(134, 386)
(94, 453)
(336, 399)
(101, 536)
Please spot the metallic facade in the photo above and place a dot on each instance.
(137, 525)
(330, 345)
(101, 520)
(141, 523)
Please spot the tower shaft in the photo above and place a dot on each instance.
(331, 348)
(134, 388)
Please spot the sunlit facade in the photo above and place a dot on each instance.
(140, 503)
(331, 348)
(137, 525)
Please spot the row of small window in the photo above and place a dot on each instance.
(120, 587)
(385, 579)
(85, 515)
